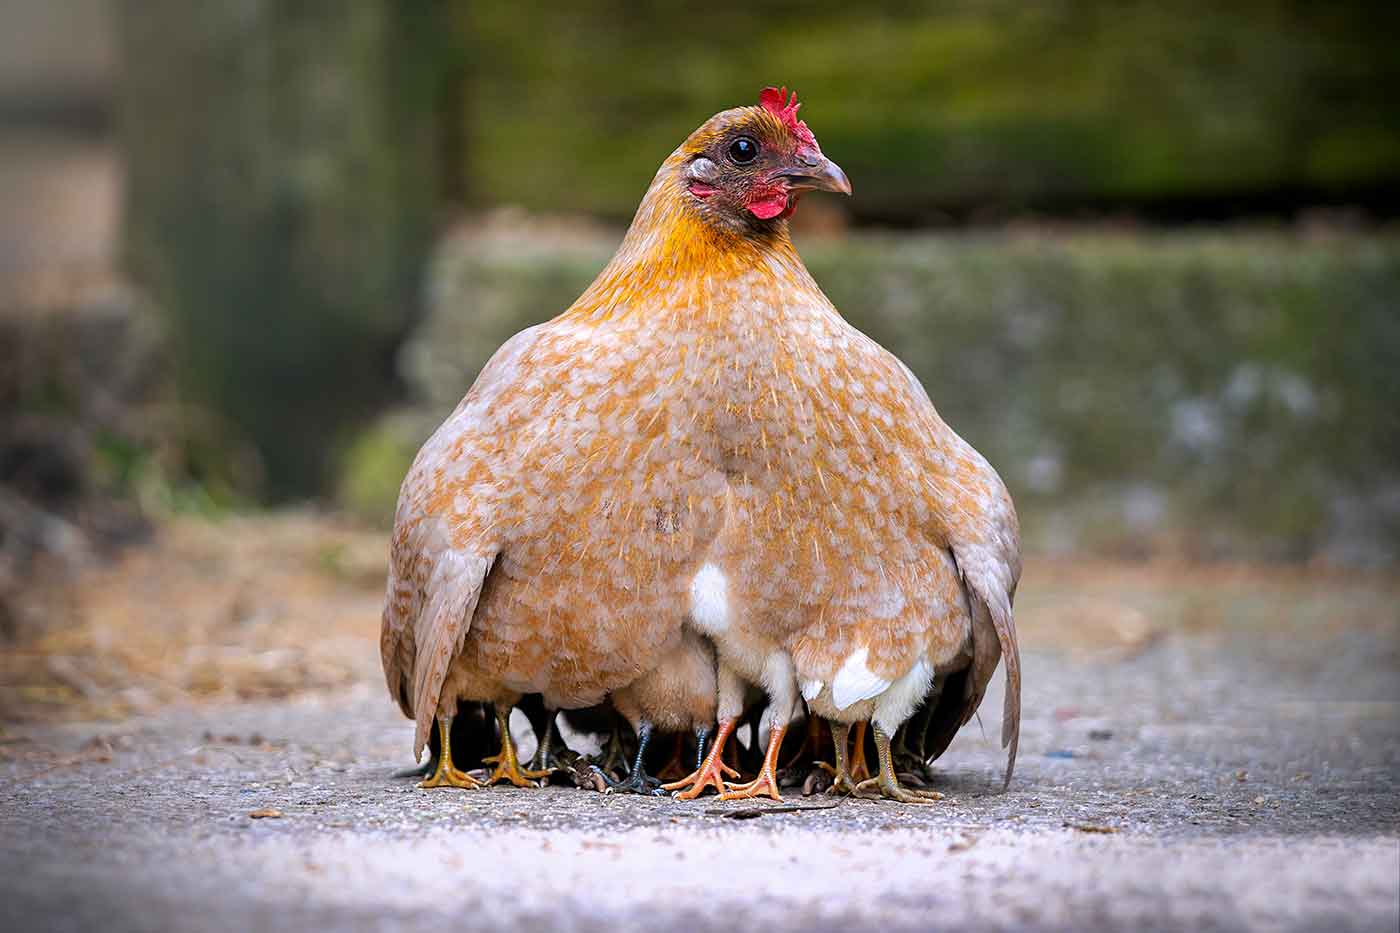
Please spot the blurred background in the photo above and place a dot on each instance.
(1143, 255)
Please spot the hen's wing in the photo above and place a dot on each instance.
(986, 545)
(436, 573)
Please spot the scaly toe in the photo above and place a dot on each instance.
(637, 783)
(842, 787)
(764, 784)
(869, 789)
(450, 777)
(710, 774)
(873, 789)
(511, 776)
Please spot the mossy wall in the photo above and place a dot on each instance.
(945, 110)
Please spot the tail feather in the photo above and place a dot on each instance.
(1011, 703)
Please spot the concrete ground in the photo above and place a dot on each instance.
(1193, 782)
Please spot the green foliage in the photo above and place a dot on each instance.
(373, 466)
(1222, 395)
(948, 105)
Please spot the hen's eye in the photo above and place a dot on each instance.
(743, 150)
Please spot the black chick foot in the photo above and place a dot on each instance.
(637, 780)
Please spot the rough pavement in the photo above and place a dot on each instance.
(1198, 783)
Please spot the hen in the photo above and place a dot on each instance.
(702, 439)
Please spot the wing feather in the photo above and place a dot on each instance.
(435, 576)
(452, 595)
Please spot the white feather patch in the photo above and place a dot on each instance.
(903, 697)
(709, 600)
(810, 689)
(856, 682)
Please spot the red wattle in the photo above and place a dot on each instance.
(768, 207)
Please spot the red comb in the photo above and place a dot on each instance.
(776, 101)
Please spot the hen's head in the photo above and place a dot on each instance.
(745, 168)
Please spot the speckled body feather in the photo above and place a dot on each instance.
(702, 405)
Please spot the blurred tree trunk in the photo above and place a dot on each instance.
(284, 171)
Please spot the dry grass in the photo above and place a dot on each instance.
(264, 606)
(248, 607)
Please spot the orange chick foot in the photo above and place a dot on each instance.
(765, 784)
(767, 781)
(711, 772)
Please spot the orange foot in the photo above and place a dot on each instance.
(508, 769)
(767, 780)
(859, 771)
(712, 770)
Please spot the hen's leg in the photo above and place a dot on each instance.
(446, 774)
(887, 783)
(638, 781)
(507, 765)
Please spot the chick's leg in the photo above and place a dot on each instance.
(544, 759)
(841, 782)
(507, 764)
(886, 784)
(860, 771)
(675, 767)
(909, 743)
(446, 774)
(767, 780)
(780, 680)
(710, 772)
(614, 755)
(638, 781)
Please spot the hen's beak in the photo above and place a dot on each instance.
(819, 174)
